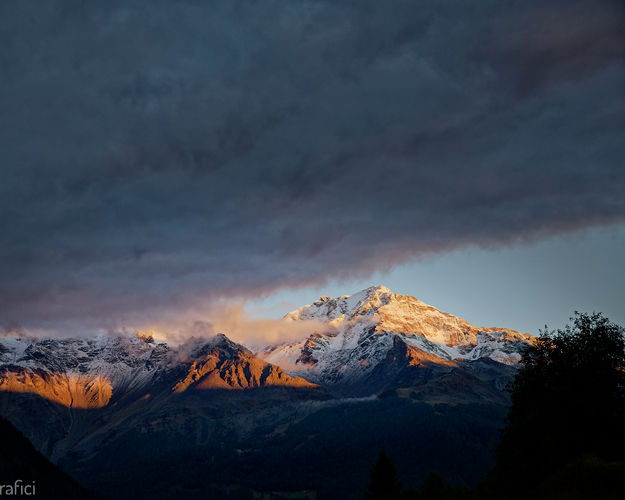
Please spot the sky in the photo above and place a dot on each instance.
(523, 287)
(163, 158)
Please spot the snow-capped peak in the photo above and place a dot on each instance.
(363, 327)
(363, 303)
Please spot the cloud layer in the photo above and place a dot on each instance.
(158, 156)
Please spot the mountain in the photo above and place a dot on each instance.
(90, 373)
(210, 418)
(370, 341)
(376, 334)
(223, 364)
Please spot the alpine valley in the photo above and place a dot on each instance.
(131, 417)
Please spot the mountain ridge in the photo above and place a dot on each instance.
(101, 407)
(90, 373)
(359, 333)
(363, 327)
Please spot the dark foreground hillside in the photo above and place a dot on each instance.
(21, 466)
(326, 455)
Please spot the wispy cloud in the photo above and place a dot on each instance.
(232, 319)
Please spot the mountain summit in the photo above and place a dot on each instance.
(368, 329)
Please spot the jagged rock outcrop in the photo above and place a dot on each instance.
(226, 365)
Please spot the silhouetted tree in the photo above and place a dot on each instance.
(384, 483)
(434, 487)
(568, 408)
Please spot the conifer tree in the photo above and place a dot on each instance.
(384, 482)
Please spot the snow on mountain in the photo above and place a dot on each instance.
(374, 331)
(80, 372)
(88, 372)
(363, 327)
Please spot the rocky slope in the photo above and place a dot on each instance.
(223, 364)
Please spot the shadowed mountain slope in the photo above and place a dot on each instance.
(21, 465)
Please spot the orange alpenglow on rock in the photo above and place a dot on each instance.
(243, 371)
(71, 390)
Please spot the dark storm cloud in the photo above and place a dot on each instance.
(159, 155)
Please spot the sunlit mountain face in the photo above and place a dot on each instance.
(374, 352)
